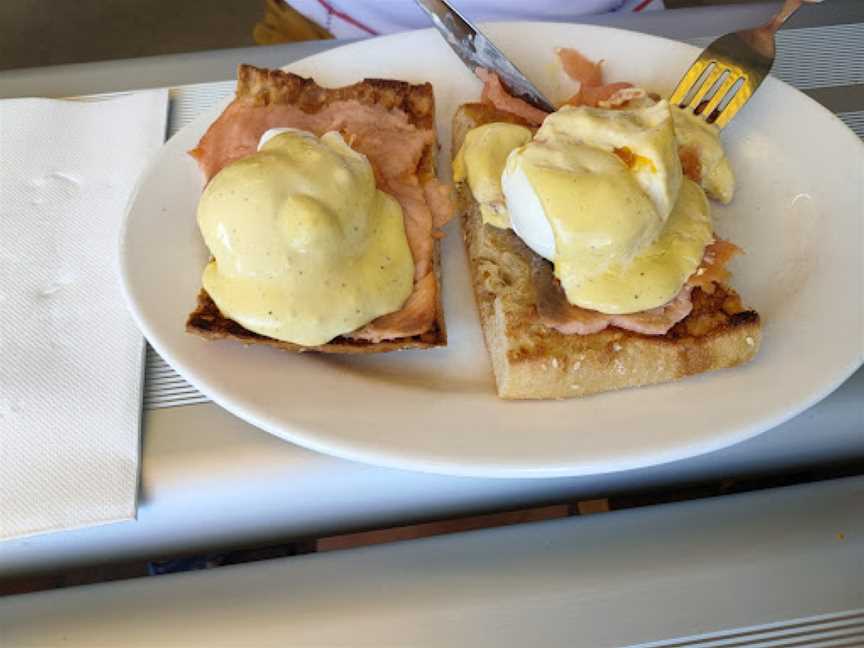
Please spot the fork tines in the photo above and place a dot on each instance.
(721, 80)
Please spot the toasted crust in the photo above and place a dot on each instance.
(265, 87)
(531, 360)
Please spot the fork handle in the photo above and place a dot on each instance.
(789, 7)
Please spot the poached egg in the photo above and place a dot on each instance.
(601, 194)
(480, 161)
(305, 247)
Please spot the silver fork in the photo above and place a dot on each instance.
(727, 73)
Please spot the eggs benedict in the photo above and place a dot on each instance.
(305, 247)
(321, 210)
(597, 266)
(601, 194)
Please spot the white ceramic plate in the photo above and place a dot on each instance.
(798, 213)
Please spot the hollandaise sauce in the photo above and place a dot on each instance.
(305, 247)
(703, 140)
(657, 273)
(481, 160)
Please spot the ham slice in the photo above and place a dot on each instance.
(604, 96)
(690, 163)
(495, 94)
(579, 67)
(439, 197)
(656, 321)
(557, 313)
(622, 97)
(592, 91)
(394, 146)
(713, 270)
(412, 319)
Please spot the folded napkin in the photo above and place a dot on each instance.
(71, 359)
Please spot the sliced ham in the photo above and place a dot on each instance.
(579, 67)
(713, 269)
(612, 95)
(557, 313)
(553, 308)
(236, 132)
(592, 90)
(656, 321)
(439, 197)
(690, 163)
(495, 94)
(415, 317)
(623, 97)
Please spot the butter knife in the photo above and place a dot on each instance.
(476, 50)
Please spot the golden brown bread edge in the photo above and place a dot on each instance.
(532, 361)
(264, 87)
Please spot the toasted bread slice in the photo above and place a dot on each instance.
(531, 360)
(264, 87)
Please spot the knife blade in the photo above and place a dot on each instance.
(476, 50)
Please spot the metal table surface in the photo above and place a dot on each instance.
(209, 480)
(779, 568)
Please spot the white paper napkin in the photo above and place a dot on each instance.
(71, 359)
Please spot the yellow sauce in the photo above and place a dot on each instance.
(598, 213)
(693, 131)
(305, 248)
(658, 272)
(481, 161)
(647, 133)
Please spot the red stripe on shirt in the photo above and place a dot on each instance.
(330, 9)
(642, 5)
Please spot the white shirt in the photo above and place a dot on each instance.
(363, 18)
